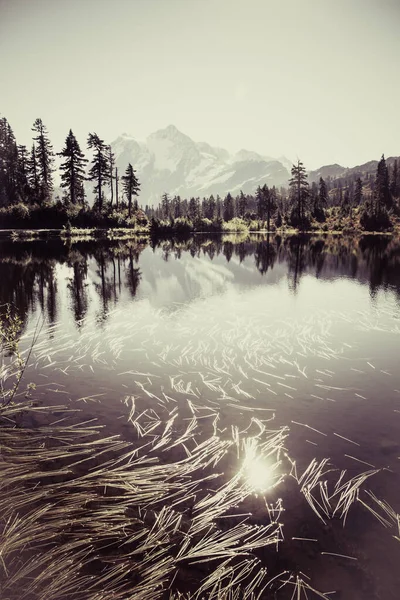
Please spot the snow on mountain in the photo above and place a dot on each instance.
(219, 153)
(244, 155)
(285, 162)
(170, 161)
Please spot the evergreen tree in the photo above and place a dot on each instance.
(73, 169)
(313, 198)
(185, 207)
(198, 208)
(100, 170)
(270, 202)
(374, 216)
(194, 209)
(382, 196)
(229, 209)
(322, 194)
(212, 207)
(45, 161)
(242, 205)
(299, 190)
(33, 175)
(358, 192)
(204, 207)
(260, 200)
(395, 181)
(165, 206)
(219, 207)
(266, 203)
(8, 164)
(178, 210)
(22, 173)
(208, 208)
(116, 187)
(3, 163)
(131, 187)
(111, 162)
(319, 199)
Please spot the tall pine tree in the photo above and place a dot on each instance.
(241, 204)
(45, 161)
(73, 170)
(260, 202)
(395, 180)
(270, 202)
(319, 199)
(111, 162)
(177, 207)
(382, 196)
(266, 203)
(33, 175)
(299, 191)
(22, 174)
(8, 164)
(131, 187)
(194, 209)
(211, 208)
(165, 206)
(358, 192)
(100, 169)
(229, 207)
(322, 194)
(116, 177)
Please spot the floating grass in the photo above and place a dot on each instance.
(188, 504)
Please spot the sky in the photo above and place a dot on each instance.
(311, 79)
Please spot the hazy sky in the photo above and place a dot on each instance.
(318, 79)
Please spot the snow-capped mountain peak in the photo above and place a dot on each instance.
(170, 132)
(170, 161)
(244, 155)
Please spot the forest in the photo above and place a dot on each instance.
(29, 200)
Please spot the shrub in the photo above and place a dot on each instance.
(235, 224)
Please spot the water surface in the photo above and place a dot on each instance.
(298, 335)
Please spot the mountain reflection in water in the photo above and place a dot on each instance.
(105, 273)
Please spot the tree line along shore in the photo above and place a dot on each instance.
(28, 199)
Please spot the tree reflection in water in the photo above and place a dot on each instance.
(29, 275)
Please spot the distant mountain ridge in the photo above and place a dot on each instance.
(170, 161)
(336, 171)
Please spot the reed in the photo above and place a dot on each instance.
(168, 512)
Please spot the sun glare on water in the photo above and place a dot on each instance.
(260, 474)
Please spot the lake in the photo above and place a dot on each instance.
(244, 400)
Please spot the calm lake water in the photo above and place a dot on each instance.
(291, 344)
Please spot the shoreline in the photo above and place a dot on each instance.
(122, 233)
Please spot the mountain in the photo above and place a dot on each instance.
(336, 171)
(326, 172)
(170, 161)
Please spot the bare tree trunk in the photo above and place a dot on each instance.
(116, 186)
(111, 176)
(99, 184)
(298, 191)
